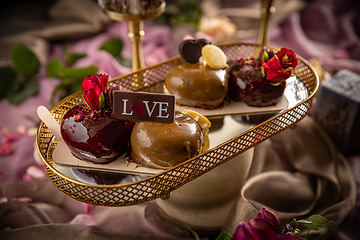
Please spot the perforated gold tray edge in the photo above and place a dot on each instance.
(160, 186)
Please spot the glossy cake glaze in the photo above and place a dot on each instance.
(202, 80)
(161, 145)
(94, 135)
(261, 81)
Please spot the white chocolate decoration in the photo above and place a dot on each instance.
(214, 56)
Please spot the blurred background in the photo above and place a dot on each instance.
(47, 47)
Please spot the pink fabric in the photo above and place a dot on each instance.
(12, 167)
(327, 29)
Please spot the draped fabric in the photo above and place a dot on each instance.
(296, 173)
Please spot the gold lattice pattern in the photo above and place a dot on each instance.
(161, 185)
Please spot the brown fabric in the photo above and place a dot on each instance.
(296, 173)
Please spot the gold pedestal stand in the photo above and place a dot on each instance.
(134, 12)
(266, 9)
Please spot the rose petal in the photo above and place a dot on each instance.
(103, 82)
(273, 73)
(279, 67)
(12, 137)
(288, 236)
(245, 232)
(268, 235)
(270, 217)
(262, 224)
(291, 56)
(87, 207)
(6, 149)
(93, 89)
(83, 219)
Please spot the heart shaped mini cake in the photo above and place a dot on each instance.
(90, 130)
(202, 81)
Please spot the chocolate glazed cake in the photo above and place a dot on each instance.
(202, 81)
(261, 82)
(161, 145)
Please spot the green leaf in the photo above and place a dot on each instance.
(308, 224)
(8, 82)
(125, 62)
(194, 234)
(27, 89)
(54, 67)
(293, 223)
(265, 56)
(171, 9)
(317, 219)
(77, 73)
(321, 221)
(74, 86)
(275, 84)
(303, 222)
(102, 102)
(25, 62)
(58, 88)
(224, 236)
(114, 46)
(71, 58)
(262, 70)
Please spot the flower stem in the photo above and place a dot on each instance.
(309, 230)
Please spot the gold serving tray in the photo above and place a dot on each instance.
(160, 186)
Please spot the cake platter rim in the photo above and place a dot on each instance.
(162, 184)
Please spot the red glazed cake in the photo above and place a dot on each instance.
(90, 130)
(261, 81)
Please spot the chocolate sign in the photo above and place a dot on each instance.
(142, 106)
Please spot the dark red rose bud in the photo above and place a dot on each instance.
(94, 90)
(279, 68)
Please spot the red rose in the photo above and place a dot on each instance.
(280, 67)
(93, 89)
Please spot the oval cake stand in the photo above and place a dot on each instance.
(148, 188)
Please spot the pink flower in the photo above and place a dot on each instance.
(279, 68)
(6, 149)
(246, 232)
(93, 89)
(265, 227)
(266, 219)
(7, 138)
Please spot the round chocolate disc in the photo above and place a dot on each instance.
(190, 50)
